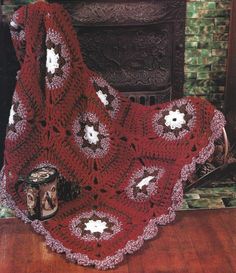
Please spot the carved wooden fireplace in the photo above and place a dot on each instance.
(137, 46)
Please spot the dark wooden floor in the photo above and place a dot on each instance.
(198, 242)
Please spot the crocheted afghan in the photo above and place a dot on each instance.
(130, 160)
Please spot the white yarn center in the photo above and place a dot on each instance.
(144, 182)
(91, 134)
(96, 226)
(13, 24)
(52, 60)
(102, 97)
(11, 116)
(175, 119)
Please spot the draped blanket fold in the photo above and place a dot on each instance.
(130, 160)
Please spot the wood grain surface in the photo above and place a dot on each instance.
(199, 241)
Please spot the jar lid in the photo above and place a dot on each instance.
(42, 175)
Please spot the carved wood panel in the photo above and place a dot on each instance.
(131, 58)
(137, 46)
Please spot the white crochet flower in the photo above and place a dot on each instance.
(144, 182)
(102, 97)
(175, 119)
(91, 135)
(96, 226)
(52, 60)
(14, 24)
(11, 116)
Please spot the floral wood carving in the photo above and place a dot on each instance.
(141, 51)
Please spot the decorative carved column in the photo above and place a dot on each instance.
(137, 46)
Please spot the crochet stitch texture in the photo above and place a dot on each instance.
(130, 160)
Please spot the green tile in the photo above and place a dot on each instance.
(218, 76)
(211, 5)
(221, 29)
(217, 99)
(223, 5)
(221, 21)
(221, 36)
(203, 76)
(215, 13)
(221, 60)
(219, 45)
(199, 87)
(190, 196)
(8, 9)
(207, 203)
(197, 69)
(219, 52)
(228, 182)
(192, 29)
(191, 45)
(6, 212)
(190, 52)
(206, 29)
(191, 61)
(205, 52)
(205, 37)
(194, 89)
(205, 60)
(190, 14)
(215, 192)
(194, 52)
(191, 75)
(191, 7)
(18, 2)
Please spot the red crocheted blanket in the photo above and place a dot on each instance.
(129, 160)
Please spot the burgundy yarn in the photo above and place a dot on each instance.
(130, 160)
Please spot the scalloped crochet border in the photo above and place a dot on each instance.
(150, 230)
